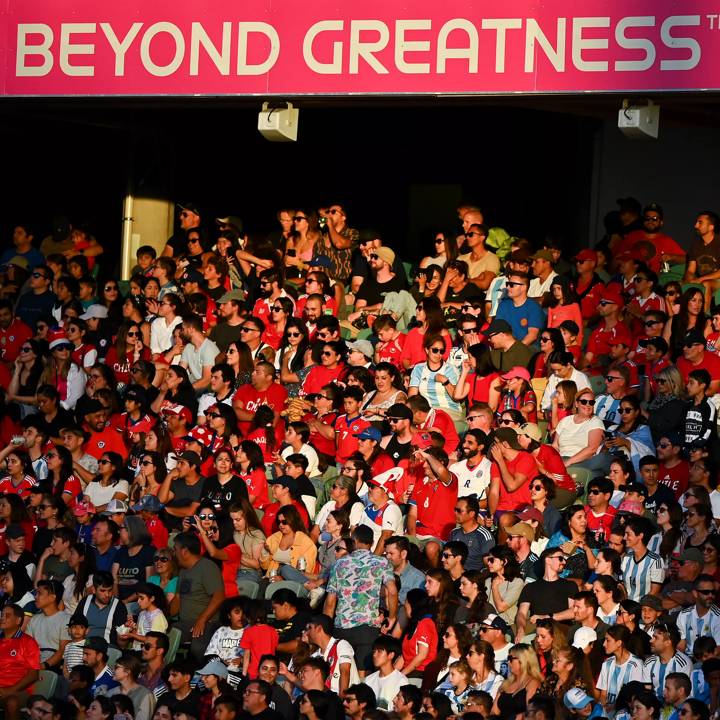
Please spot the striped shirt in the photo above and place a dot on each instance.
(614, 676)
(691, 626)
(654, 670)
(639, 577)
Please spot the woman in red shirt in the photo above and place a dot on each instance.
(221, 547)
(322, 421)
(280, 312)
(128, 349)
(478, 381)
(251, 468)
(420, 639)
(429, 314)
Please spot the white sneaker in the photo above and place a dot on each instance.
(316, 595)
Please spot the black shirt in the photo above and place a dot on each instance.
(706, 257)
(546, 597)
(374, 292)
(222, 496)
(662, 494)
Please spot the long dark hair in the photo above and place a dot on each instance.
(298, 362)
(671, 537)
(434, 316)
(264, 419)
(420, 607)
(445, 605)
(85, 569)
(254, 455)
(568, 292)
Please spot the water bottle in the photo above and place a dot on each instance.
(302, 564)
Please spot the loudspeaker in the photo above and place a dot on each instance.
(639, 121)
(279, 125)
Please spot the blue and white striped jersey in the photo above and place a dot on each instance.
(613, 676)
(691, 626)
(654, 670)
(638, 577)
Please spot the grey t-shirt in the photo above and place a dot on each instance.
(199, 358)
(48, 631)
(196, 585)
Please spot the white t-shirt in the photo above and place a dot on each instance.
(386, 688)
(573, 437)
(337, 653)
(538, 289)
(309, 452)
(161, 334)
(101, 495)
(472, 482)
(389, 518)
(580, 379)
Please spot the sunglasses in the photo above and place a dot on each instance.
(161, 558)
(373, 256)
(298, 218)
(506, 421)
(436, 351)
(537, 487)
(246, 329)
(671, 293)
(585, 401)
(327, 353)
(594, 491)
(282, 521)
(103, 462)
(626, 411)
(206, 516)
(133, 333)
(276, 308)
(294, 334)
(706, 592)
(213, 415)
(25, 348)
(145, 463)
(38, 275)
(510, 283)
(110, 288)
(310, 280)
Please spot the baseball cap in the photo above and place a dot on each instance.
(14, 531)
(496, 622)
(654, 207)
(508, 435)
(322, 261)
(387, 480)
(83, 508)
(95, 311)
(516, 372)
(202, 435)
(530, 430)
(523, 530)
(192, 275)
(386, 254)
(285, 481)
(18, 261)
(530, 513)
(498, 326)
(587, 254)
(191, 457)
(233, 220)
(611, 295)
(116, 506)
(620, 335)
(214, 667)
(399, 410)
(363, 346)
(78, 619)
(694, 337)
(576, 698)
(179, 410)
(543, 255)
(100, 644)
(692, 555)
(58, 339)
(583, 637)
(237, 295)
(651, 601)
(142, 426)
(150, 503)
(660, 344)
(421, 440)
(137, 393)
(190, 206)
(369, 433)
(635, 487)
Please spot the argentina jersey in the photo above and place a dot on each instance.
(639, 577)
(613, 676)
(655, 671)
(691, 626)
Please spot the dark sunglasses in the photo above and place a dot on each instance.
(145, 463)
(610, 378)
(244, 328)
(206, 516)
(297, 218)
(161, 558)
(436, 351)
(282, 522)
(626, 411)
(294, 334)
(132, 333)
(648, 323)
(213, 415)
(586, 401)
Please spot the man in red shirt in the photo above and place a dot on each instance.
(673, 471)
(695, 356)
(427, 418)
(19, 659)
(599, 512)
(510, 476)
(431, 516)
(271, 288)
(103, 438)
(598, 348)
(650, 244)
(263, 390)
(13, 333)
(620, 347)
(148, 507)
(179, 420)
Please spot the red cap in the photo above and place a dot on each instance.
(610, 294)
(421, 440)
(201, 435)
(144, 425)
(629, 255)
(587, 254)
(517, 372)
(177, 410)
(620, 335)
(530, 513)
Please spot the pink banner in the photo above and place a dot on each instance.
(319, 47)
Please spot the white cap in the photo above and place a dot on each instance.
(583, 637)
(95, 311)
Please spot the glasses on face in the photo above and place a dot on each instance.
(213, 415)
(247, 329)
(586, 401)
(133, 333)
(298, 218)
(373, 256)
(436, 351)
(537, 488)
(38, 275)
(594, 491)
(276, 308)
(25, 348)
(310, 280)
(51, 455)
(327, 353)
(459, 510)
(626, 410)
(206, 516)
(161, 558)
(282, 521)
(111, 288)
(610, 378)
(506, 421)
(671, 293)
(651, 218)
(510, 283)
(708, 591)
(104, 462)
(562, 560)
(294, 334)
(447, 556)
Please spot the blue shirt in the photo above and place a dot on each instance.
(33, 256)
(523, 318)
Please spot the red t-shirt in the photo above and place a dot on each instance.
(158, 532)
(257, 486)
(107, 440)
(425, 634)
(710, 362)
(480, 387)
(259, 640)
(230, 569)
(413, 348)
(320, 376)
(589, 303)
(552, 461)
(274, 396)
(523, 464)
(441, 422)
(330, 305)
(19, 655)
(392, 351)
(676, 478)
(23, 489)
(435, 504)
(268, 522)
(12, 339)
(599, 342)
(382, 463)
(121, 366)
(649, 249)
(322, 444)
(600, 525)
(345, 429)
(259, 437)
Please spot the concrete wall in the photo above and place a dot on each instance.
(678, 170)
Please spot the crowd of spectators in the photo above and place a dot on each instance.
(297, 477)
